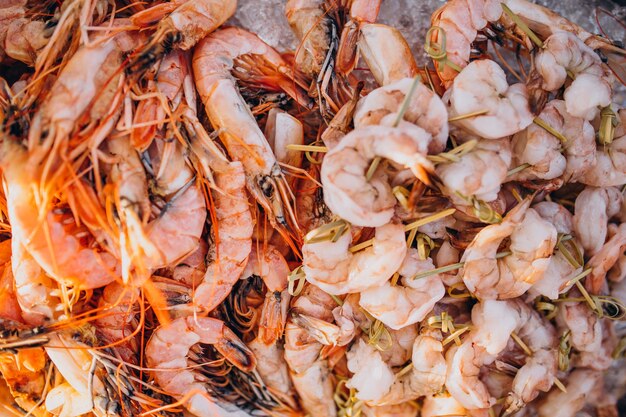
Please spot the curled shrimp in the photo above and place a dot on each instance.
(460, 20)
(610, 166)
(593, 209)
(425, 109)
(386, 53)
(586, 334)
(563, 52)
(532, 242)
(560, 270)
(398, 306)
(167, 353)
(479, 172)
(310, 371)
(333, 268)
(442, 405)
(604, 260)
(548, 157)
(482, 87)
(490, 335)
(374, 379)
(578, 389)
(347, 190)
(213, 61)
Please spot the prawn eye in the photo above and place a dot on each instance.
(171, 39)
(266, 186)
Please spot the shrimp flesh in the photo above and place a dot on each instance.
(482, 86)
(602, 262)
(425, 109)
(609, 169)
(461, 20)
(587, 333)
(579, 387)
(480, 172)
(167, 350)
(386, 53)
(563, 52)
(592, 210)
(334, 269)
(560, 270)
(543, 151)
(532, 241)
(398, 306)
(310, 373)
(347, 191)
(213, 60)
(427, 375)
(172, 78)
(441, 405)
(493, 322)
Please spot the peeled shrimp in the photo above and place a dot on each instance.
(563, 52)
(348, 193)
(604, 260)
(441, 405)
(427, 375)
(579, 387)
(586, 335)
(310, 373)
(480, 172)
(532, 242)
(609, 169)
(461, 20)
(374, 379)
(332, 267)
(560, 270)
(212, 62)
(425, 110)
(386, 53)
(493, 322)
(482, 86)
(539, 148)
(167, 350)
(398, 306)
(592, 210)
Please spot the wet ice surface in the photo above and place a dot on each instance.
(412, 17)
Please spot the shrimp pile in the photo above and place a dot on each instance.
(195, 223)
